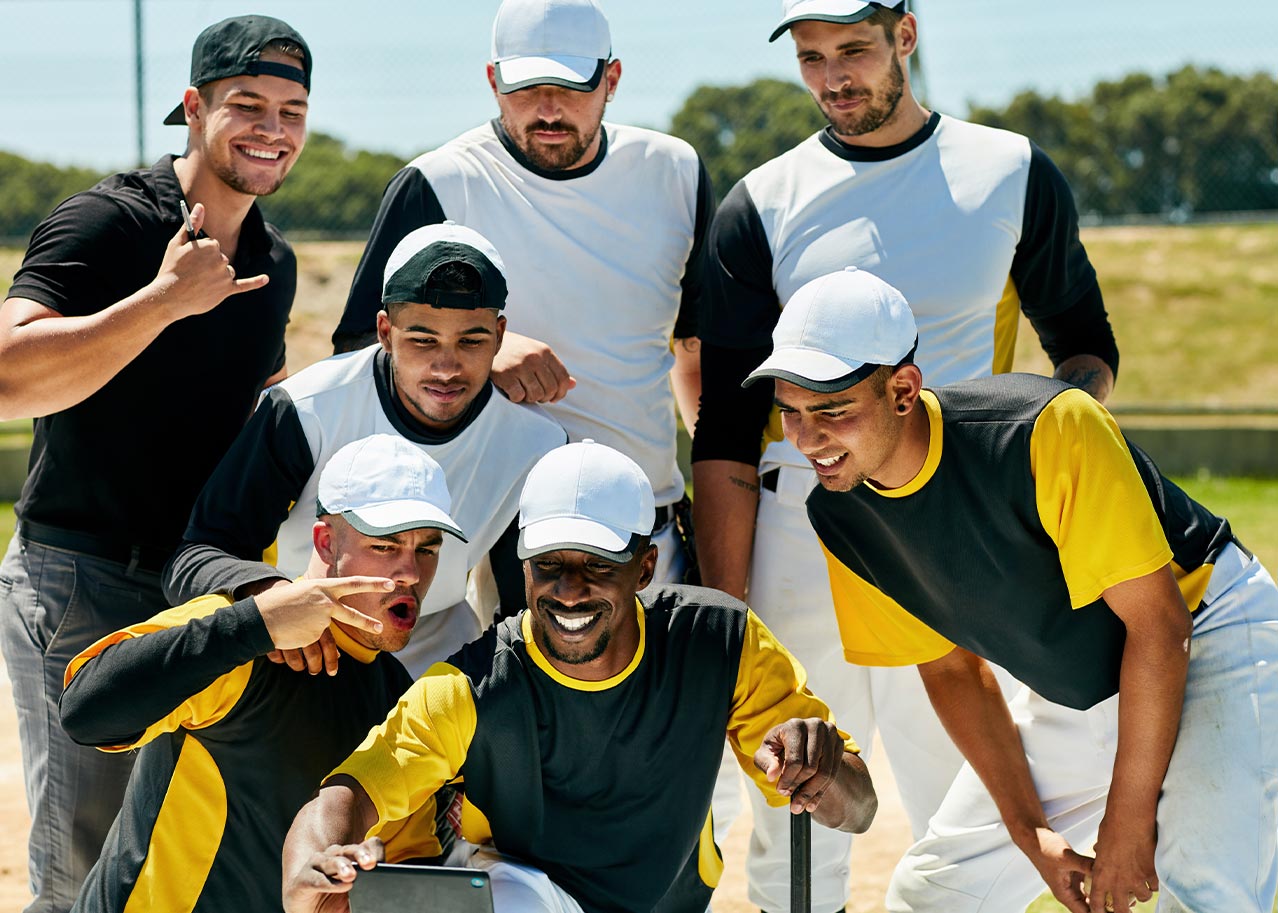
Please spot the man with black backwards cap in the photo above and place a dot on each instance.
(427, 380)
(115, 334)
(588, 729)
(233, 745)
(600, 225)
(1006, 518)
(973, 225)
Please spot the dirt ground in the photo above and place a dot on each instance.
(872, 857)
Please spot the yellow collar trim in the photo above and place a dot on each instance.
(525, 625)
(934, 441)
(350, 646)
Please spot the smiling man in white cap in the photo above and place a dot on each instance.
(1006, 518)
(589, 729)
(600, 226)
(973, 225)
(427, 380)
(231, 744)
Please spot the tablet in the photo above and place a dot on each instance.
(392, 888)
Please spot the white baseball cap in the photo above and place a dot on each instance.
(382, 484)
(550, 42)
(423, 250)
(842, 11)
(837, 330)
(585, 497)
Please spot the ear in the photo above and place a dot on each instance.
(323, 539)
(383, 329)
(647, 567)
(903, 388)
(501, 332)
(907, 35)
(612, 76)
(191, 102)
(492, 78)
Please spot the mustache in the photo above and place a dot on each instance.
(401, 593)
(845, 94)
(551, 126)
(546, 604)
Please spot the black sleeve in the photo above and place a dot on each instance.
(690, 299)
(1054, 279)
(508, 572)
(732, 420)
(239, 511)
(408, 203)
(130, 685)
(739, 305)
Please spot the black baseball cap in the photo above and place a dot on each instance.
(424, 250)
(233, 47)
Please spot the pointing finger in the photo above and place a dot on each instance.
(339, 587)
(348, 616)
(249, 284)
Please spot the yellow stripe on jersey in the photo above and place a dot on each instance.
(420, 747)
(1193, 584)
(185, 840)
(709, 862)
(874, 628)
(1007, 319)
(771, 687)
(199, 710)
(411, 838)
(1091, 499)
(773, 431)
(576, 684)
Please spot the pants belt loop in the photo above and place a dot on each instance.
(135, 556)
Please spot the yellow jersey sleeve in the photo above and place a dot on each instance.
(771, 687)
(1091, 499)
(874, 628)
(201, 709)
(420, 747)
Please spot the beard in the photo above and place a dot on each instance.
(879, 108)
(258, 187)
(557, 157)
(586, 652)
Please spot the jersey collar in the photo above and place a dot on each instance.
(852, 153)
(539, 658)
(350, 646)
(935, 439)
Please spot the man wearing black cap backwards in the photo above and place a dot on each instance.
(426, 380)
(588, 729)
(141, 347)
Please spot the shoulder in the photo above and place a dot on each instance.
(994, 147)
(514, 424)
(694, 611)
(334, 373)
(639, 147)
(457, 155)
(1000, 399)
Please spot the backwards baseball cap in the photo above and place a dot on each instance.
(382, 484)
(837, 330)
(550, 42)
(424, 250)
(842, 11)
(233, 47)
(585, 497)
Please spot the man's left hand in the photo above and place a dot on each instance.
(802, 757)
(1124, 869)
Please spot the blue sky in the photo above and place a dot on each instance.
(405, 75)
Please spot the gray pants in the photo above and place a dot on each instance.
(54, 604)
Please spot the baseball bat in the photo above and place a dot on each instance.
(801, 863)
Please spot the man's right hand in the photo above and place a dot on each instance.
(195, 276)
(1064, 871)
(323, 882)
(298, 613)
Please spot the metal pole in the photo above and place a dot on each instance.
(801, 863)
(139, 77)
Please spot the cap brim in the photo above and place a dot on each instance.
(843, 19)
(582, 74)
(177, 117)
(578, 535)
(812, 370)
(399, 516)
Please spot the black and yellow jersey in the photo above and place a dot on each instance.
(234, 746)
(605, 785)
(1029, 505)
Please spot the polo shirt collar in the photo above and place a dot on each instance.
(255, 240)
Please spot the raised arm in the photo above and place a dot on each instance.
(325, 846)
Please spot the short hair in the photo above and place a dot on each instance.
(888, 18)
(879, 380)
(453, 276)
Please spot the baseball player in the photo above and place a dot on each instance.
(974, 225)
(427, 380)
(114, 335)
(588, 729)
(232, 745)
(601, 228)
(1007, 519)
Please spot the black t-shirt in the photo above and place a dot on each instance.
(127, 463)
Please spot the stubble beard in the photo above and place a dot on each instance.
(588, 653)
(559, 157)
(878, 110)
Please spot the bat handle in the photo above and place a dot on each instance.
(801, 863)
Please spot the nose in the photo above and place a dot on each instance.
(445, 365)
(570, 589)
(270, 124)
(548, 107)
(803, 434)
(407, 571)
(836, 76)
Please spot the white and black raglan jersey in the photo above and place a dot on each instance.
(263, 493)
(601, 262)
(971, 223)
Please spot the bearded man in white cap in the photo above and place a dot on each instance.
(231, 744)
(426, 380)
(588, 729)
(1007, 519)
(601, 227)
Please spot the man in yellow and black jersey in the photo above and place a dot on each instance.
(1007, 519)
(587, 731)
(232, 744)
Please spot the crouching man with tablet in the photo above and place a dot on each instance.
(588, 729)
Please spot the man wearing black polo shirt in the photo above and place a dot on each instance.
(140, 345)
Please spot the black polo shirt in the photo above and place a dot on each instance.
(126, 464)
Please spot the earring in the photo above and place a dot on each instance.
(901, 407)
(609, 97)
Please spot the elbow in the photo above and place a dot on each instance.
(78, 718)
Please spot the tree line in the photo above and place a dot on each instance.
(1194, 141)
